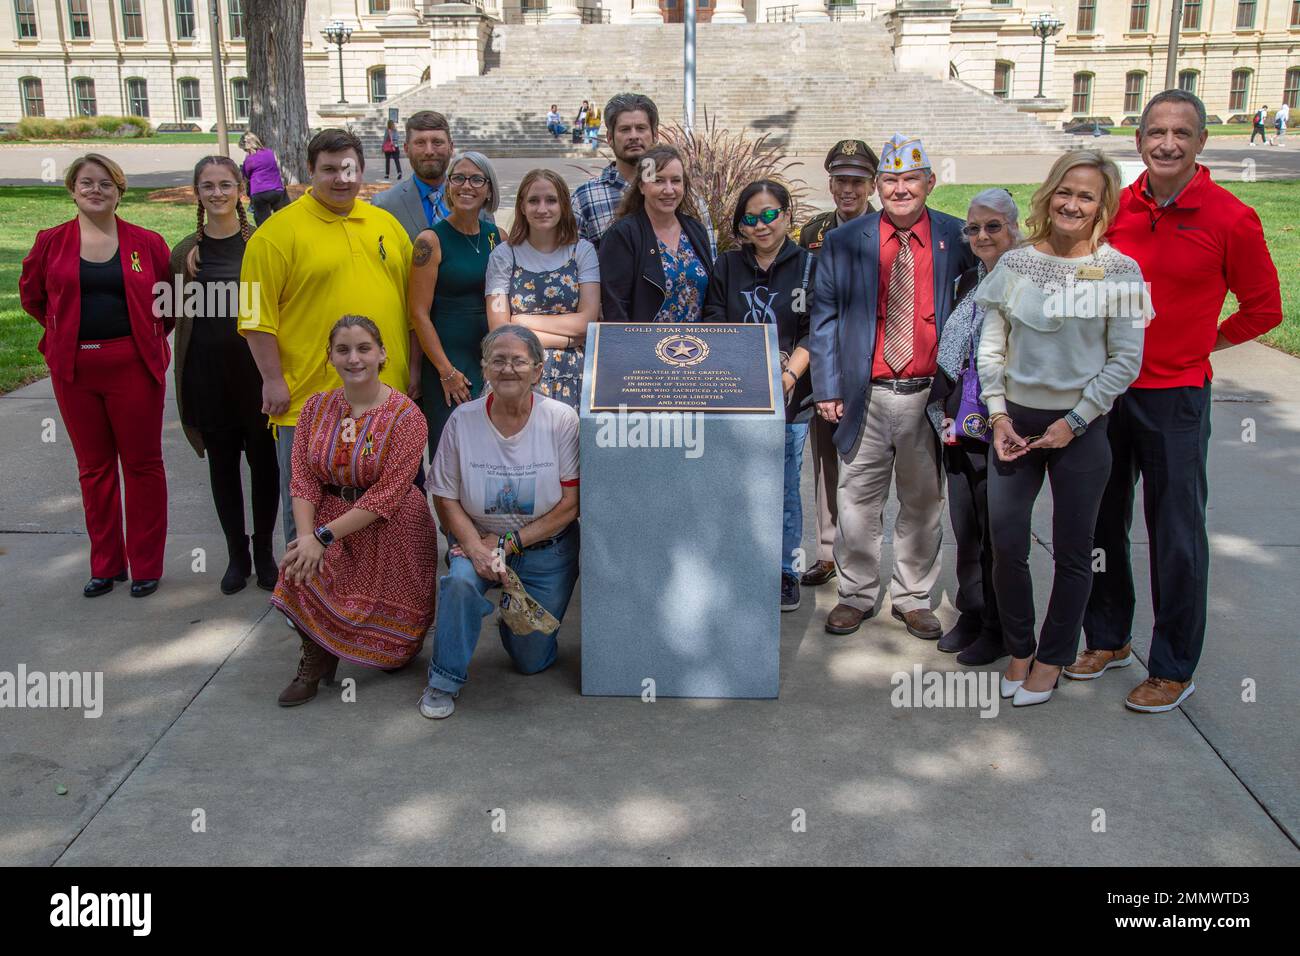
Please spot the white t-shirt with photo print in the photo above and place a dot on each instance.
(506, 483)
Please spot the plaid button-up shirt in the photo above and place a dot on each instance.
(596, 201)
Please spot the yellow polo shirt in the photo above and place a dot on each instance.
(311, 267)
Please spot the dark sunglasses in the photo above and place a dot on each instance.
(768, 216)
(992, 228)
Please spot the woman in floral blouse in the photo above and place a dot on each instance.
(547, 279)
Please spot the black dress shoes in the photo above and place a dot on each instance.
(144, 588)
(987, 648)
(97, 586)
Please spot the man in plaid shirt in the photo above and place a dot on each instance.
(632, 123)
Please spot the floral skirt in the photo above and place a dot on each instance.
(562, 376)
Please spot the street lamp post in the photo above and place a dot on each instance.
(1044, 25)
(338, 33)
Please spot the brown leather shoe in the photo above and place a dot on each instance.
(1091, 664)
(845, 619)
(820, 573)
(316, 664)
(1155, 695)
(920, 623)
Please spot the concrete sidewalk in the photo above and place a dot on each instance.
(190, 721)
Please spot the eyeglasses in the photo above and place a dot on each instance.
(516, 365)
(222, 187)
(460, 179)
(767, 216)
(90, 186)
(992, 228)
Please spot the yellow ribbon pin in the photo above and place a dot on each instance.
(135, 262)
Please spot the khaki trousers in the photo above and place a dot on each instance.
(896, 437)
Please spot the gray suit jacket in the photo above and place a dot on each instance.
(403, 201)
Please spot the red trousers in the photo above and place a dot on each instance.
(113, 411)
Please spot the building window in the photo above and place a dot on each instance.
(1295, 13)
(25, 12)
(79, 19)
(378, 6)
(1239, 95)
(1002, 79)
(1087, 16)
(1191, 14)
(186, 28)
(132, 20)
(378, 85)
(1245, 14)
(83, 96)
(239, 97)
(191, 106)
(236, 8)
(1137, 16)
(1133, 83)
(1081, 101)
(1291, 90)
(1187, 81)
(33, 97)
(137, 97)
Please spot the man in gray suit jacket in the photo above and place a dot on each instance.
(419, 201)
(884, 288)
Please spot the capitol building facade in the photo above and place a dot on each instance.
(153, 58)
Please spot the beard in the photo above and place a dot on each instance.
(431, 167)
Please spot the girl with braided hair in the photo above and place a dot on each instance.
(218, 387)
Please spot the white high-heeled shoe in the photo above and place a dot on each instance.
(1027, 698)
(1008, 688)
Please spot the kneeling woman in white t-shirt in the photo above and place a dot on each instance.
(505, 482)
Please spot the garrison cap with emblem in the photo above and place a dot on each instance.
(851, 157)
(903, 154)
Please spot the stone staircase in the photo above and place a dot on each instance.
(749, 77)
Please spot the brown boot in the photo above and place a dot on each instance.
(316, 665)
(845, 619)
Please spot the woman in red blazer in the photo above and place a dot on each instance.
(90, 283)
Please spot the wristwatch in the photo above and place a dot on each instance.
(1077, 424)
(325, 536)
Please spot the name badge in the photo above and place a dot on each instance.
(1090, 272)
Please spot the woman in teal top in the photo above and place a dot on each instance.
(445, 293)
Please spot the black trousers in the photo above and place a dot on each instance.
(968, 509)
(393, 159)
(265, 203)
(1260, 131)
(1078, 474)
(1163, 435)
(224, 448)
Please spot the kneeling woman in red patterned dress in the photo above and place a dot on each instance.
(360, 580)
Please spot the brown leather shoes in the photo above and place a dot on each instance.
(845, 619)
(316, 665)
(1091, 664)
(920, 623)
(1155, 695)
(819, 574)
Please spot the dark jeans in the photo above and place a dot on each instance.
(1078, 474)
(265, 203)
(1162, 434)
(395, 160)
(1260, 131)
(968, 509)
(224, 449)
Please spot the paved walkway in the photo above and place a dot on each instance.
(190, 722)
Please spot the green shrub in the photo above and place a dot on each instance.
(84, 127)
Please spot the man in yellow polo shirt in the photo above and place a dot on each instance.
(324, 256)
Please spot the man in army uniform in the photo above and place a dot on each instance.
(852, 166)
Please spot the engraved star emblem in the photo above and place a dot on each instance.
(681, 348)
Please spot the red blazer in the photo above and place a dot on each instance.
(50, 290)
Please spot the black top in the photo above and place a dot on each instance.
(104, 312)
(222, 387)
(739, 291)
(632, 274)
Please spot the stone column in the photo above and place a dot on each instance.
(563, 12)
(729, 11)
(646, 11)
(401, 13)
(811, 10)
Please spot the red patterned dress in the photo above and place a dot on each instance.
(374, 598)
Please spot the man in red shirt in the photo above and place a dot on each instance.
(1195, 241)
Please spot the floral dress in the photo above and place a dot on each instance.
(685, 282)
(552, 293)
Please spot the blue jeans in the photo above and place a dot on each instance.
(547, 574)
(284, 456)
(556, 129)
(792, 523)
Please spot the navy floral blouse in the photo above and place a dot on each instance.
(685, 282)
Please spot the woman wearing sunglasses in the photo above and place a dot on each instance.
(768, 279)
(992, 228)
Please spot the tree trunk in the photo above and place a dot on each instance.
(276, 85)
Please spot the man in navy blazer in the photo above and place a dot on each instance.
(875, 333)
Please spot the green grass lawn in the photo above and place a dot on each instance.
(157, 139)
(24, 210)
(1214, 129)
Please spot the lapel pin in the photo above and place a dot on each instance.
(135, 262)
(382, 254)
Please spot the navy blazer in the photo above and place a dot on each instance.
(844, 309)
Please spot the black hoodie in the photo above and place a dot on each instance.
(741, 292)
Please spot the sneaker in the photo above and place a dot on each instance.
(1155, 695)
(789, 592)
(1091, 664)
(437, 703)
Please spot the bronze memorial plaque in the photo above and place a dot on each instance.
(682, 368)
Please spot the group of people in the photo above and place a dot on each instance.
(586, 125)
(1259, 125)
(975, 354)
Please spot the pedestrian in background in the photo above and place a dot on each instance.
(266, 192)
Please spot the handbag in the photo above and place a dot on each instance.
(972, 419)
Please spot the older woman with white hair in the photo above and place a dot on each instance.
(505, 487)
(445, 292)
(992, 227)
